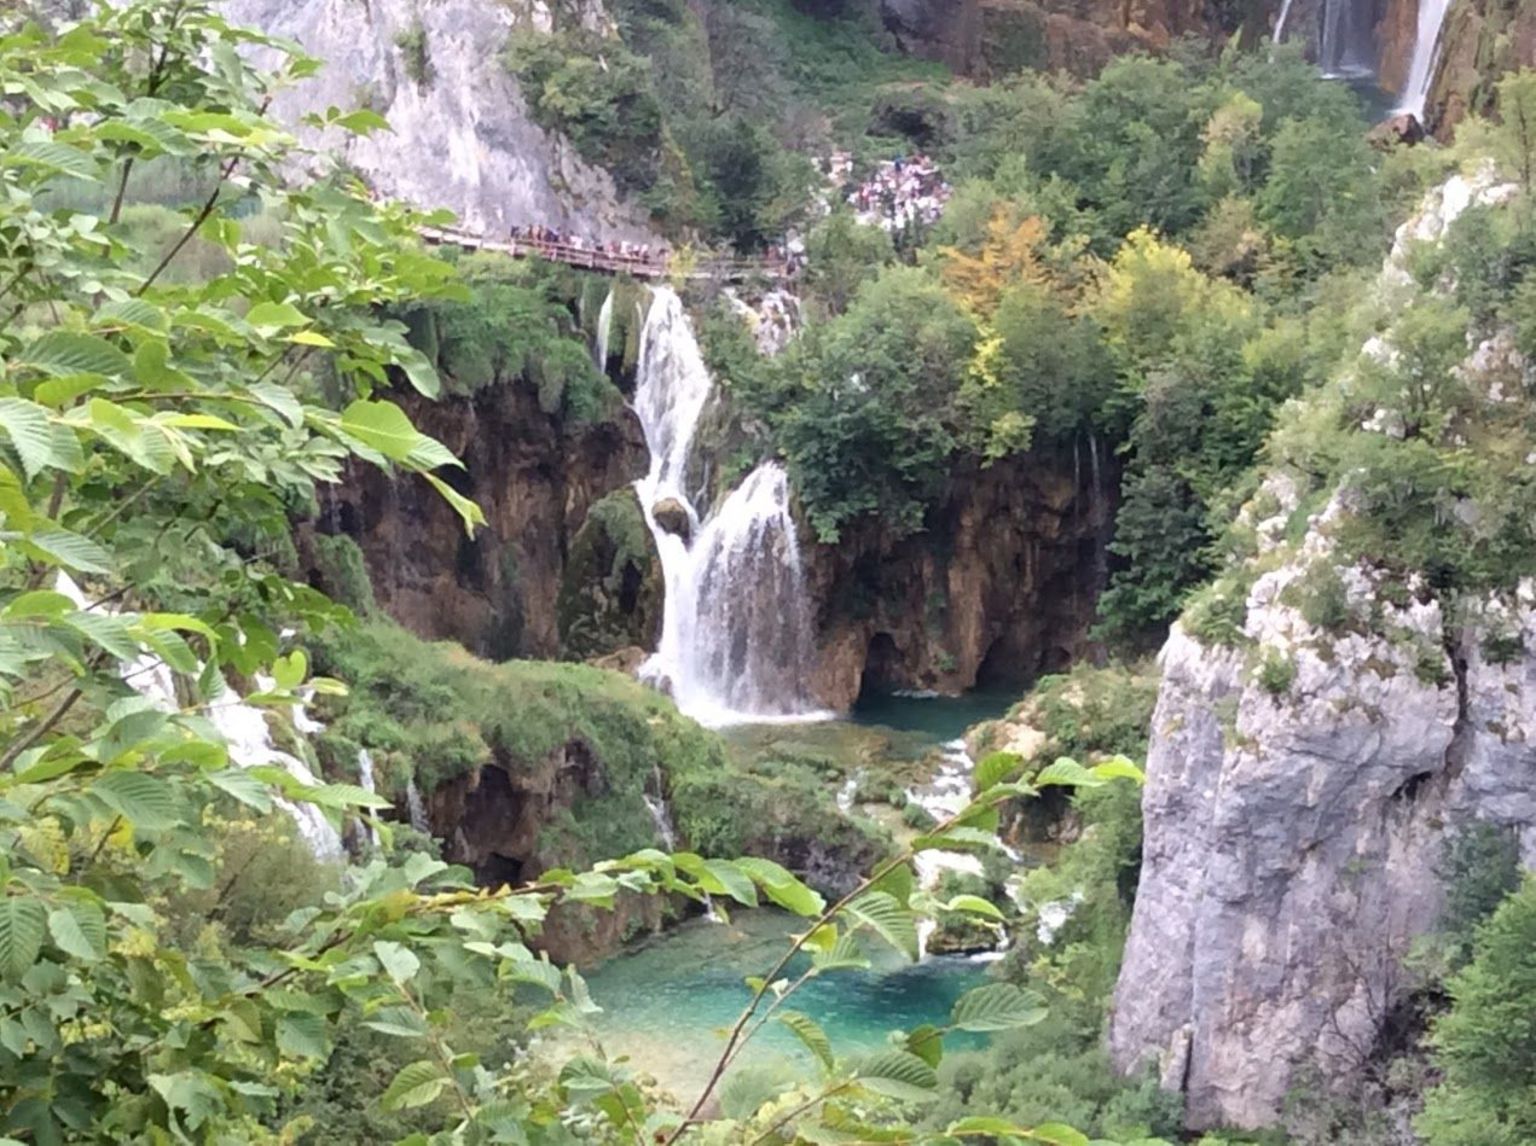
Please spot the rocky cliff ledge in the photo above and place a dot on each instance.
(536, 478)
(1324, 733)
(1000, 586)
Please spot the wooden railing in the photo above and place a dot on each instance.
(610, 262)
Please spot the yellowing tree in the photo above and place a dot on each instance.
(1010, 255)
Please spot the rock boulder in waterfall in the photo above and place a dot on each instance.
(672, 515)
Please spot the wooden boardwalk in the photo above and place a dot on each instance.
(610, 262)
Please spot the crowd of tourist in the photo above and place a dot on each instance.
(901, 194)
(541, 236)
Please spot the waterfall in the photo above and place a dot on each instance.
(416, 809)
(1347, 45)
(604, 328)
(1426, 54)
(365, 779)
(736, 642)
(243, 727)
(1285, 15)
(660, 813)
(947, 793)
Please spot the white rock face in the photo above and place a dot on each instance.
(464, 139)
(1294, 834)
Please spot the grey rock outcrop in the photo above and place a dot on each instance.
(1302, 788)
(461, 138)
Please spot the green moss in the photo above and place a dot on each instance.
(412, 42)
(343, 572)
(611, 591)
(433, 711)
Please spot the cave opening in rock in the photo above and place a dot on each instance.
(883, 673)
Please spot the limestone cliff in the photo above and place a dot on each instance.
(1000, 585)
(1306, 774)
(460, 136)
(1482, 40)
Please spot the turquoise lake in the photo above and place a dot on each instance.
(669, 1000)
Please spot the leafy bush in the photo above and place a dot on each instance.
(1276, 673)
(412, 42)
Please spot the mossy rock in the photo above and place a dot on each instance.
(611, 592)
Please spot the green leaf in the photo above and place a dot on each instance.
(275, 316)
(23, 923)
(747, 1088)
(244, 787)
(722, 877)
(416, 1085)
(71, 550)
(288, 672)
(994, 769)
(398, 962)
(927, 1043)
(52, 156)
(974, 905)
(303, 1035)
(276, 398)
(143, 800)
(28, 426)
(59, 392)
(1058, 1134)
(843, 955)
(1119, 768)
(402, 1022)
(382, 426)
(899, 1074)
(809, 1032)
(79, 930)
(469, 513)
(109, 632)
(782, 887)
(1066, 772)
(888, 918)
(997, 1007)
(64, 352)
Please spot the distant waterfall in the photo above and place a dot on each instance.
(736, 641)
(366, 782)
(604, 328)
(1426, 53)
(1347, 44)
(1285, 16)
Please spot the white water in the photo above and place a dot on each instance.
(1426, 53)
(946, 794)
(1346, 47)
(736, 641)
(661, 815)
(1285, 15)
(243, 727)
(604, 328)
(416, 809)
(366, 781)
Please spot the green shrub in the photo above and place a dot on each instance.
(343, 572)
(914, 815)
(1216, 614)
(1321, 597)
(1480, 869)
(412, 42)
(1276, 673)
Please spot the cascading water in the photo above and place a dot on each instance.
(1347, 44)
(243, 727)
(366, 781)
(736, 641)
(416, 809)
(604, 328)
(1426, 53)
(1285, 16)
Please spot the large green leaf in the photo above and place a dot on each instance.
(899, 1074)
(879, 911)
(71, 550)
(30, 431)
(383, 426)
(143, 800)
(809, 1032)
(51, 156)
(79, 930)
(782, 887)
(997, 1007)
(23, 923)
(64, 352)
